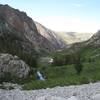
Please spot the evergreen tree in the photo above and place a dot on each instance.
(78, 62)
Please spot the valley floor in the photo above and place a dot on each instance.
(81, 92)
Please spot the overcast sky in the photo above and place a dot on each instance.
(62, 15)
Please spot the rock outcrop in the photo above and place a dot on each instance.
(14, 66)
(94, 40)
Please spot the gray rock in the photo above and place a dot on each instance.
(57, 98)
(72, 98)
(10, 86)
(50, 98)
(96, 97)
(81, 92)
(13, 65)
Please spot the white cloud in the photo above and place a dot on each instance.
(60, 23)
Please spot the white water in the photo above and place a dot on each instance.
(40, 76)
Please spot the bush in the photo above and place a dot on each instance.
(78, 67)
(59, 61)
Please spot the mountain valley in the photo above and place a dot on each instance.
(62, 58)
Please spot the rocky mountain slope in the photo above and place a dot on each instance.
(94, 40)
(51, 36)
(20, 31)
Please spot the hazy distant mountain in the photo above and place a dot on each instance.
(91, 46)
(73, 37)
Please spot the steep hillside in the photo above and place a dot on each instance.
(94, 40)
(19, 32)
(51, 36)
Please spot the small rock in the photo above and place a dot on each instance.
(96, 97)
(72, 98)
(57, 98)
(41, 98)
(50, 98)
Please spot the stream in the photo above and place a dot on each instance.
(40, 76)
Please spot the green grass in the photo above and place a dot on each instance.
(66, 75)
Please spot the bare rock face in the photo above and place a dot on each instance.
(13, 65)
(51, 36)
(22, 31)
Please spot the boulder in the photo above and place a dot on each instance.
(14, 66)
